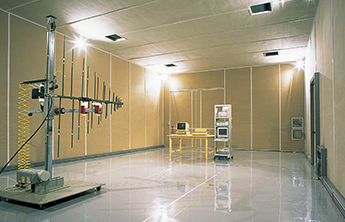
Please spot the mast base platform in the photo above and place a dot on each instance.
(43, 198)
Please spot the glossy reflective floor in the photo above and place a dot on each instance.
(148, 186)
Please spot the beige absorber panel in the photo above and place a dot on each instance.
(3, 87)
(65, 126)
(98, 140)
(196, 114)
(153, 108)
(324, 55)
(238, 95)
(137, 106)
(339, 83)
(326, 110)
(208, 100)
(181, 106)
(188, 105)
(27, 62)
(265, 107)
(203, 80)
(322, 39)
(166, 124)
(120, 118)
(324, 50)
(196, 109)
(292, 104)
(67, 149)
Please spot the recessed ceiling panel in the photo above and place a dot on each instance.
(194, 34)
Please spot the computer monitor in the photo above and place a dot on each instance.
(223, 132)
(182, 126)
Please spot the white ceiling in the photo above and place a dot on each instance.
(195, 35)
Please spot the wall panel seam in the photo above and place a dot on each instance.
(191, 113)
(200, 118)
(251, 107)
(224, 86)
(169, 125)
(110, 128)
(280, 108)
(163, 108)
(8, 83)
(145, 123)
(333, 92)
(129, 107)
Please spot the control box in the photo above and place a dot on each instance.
(32, 176)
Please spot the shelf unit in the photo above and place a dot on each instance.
(222, 129)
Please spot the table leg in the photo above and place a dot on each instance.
(170, 146)
(206, 147)
(214, 145)
(180, 145)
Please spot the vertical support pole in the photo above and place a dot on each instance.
(206, 148)
(49, 89)
(170, 146)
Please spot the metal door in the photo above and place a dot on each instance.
(314, 116)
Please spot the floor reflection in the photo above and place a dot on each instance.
(149, 186)
(222, 186)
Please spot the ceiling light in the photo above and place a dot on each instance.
(80, 42)
(115, 38)
(299, 64)
(266, 54)
(170, 65)
(260, 8)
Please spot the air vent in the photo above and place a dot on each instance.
(115, 37)
(260, 8)
(297, 122)
(266, 54)
(297, 134)
(170, 65)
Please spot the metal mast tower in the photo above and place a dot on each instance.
(39, 187)
(50, 86)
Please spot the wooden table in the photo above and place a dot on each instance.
(184, 136)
